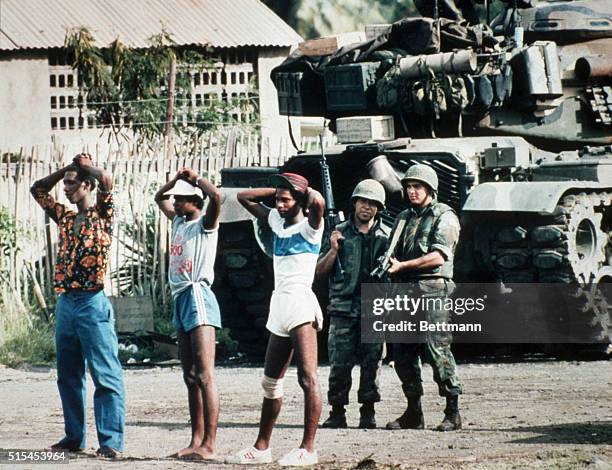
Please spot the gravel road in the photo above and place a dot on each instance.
(534, 414)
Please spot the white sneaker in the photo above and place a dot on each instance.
(299, 458)
(251, 456)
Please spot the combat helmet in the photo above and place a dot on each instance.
(424, 174)
(370, 189)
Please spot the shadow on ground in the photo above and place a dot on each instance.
(594, 433)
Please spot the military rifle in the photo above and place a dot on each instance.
(332, 216)
(379, 273)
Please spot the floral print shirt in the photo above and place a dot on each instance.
(81, 259)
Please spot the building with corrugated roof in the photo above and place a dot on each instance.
(39, 96)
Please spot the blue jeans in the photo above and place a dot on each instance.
(85, 334)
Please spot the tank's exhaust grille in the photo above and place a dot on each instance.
(448, 181)
(453, 182)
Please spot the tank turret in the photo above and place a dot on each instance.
(514, 118)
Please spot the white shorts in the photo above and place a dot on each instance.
(291, 308)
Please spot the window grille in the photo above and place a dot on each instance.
(228, 82)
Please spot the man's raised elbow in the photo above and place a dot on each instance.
(318, 207)
(317, 202)
(35, 188)
(106, 181)
(243, 198)
(215, 196)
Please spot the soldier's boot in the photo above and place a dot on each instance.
(336, 419)
(367, 416)
(412, 418)
(452, 418)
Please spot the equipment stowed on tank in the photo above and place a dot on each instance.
(516, 120)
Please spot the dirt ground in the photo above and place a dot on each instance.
(535, 414)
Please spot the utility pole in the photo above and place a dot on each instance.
(163, 240)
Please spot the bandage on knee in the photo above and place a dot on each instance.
(273, 388)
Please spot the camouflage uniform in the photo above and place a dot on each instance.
(430, 228)
(358, 256)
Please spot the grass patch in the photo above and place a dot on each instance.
(25, 338)
(163, 324)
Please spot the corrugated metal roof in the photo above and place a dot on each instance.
(42, 24)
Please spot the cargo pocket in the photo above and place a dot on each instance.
(433, 287)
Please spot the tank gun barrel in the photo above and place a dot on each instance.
(593, 67)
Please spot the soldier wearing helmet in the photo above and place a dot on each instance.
(423, 257)
(358, 243)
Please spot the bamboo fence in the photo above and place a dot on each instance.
(140, 239)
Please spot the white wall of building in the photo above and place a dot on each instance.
(94, 141)
(25, 110)
(24, 100)
(274, 126)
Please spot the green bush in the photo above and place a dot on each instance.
(8, 232)
(25, 338)
(226, 345)
(163, 324)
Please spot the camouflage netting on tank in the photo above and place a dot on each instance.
(433, 95)
(410, 36)
(415, 36)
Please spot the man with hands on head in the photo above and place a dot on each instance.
(295, 314)
(84, 329)
(196, 312)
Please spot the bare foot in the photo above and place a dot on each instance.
(183, 452)
(200, 453)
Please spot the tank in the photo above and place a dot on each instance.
(516, 121)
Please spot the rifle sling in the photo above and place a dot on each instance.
(297, 149)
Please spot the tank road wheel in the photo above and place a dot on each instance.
(573, 251)
(571, 246)
(586, 241)
(593, 321)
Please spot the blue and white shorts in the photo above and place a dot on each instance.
(196, 306)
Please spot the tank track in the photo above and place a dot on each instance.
(572, 246)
